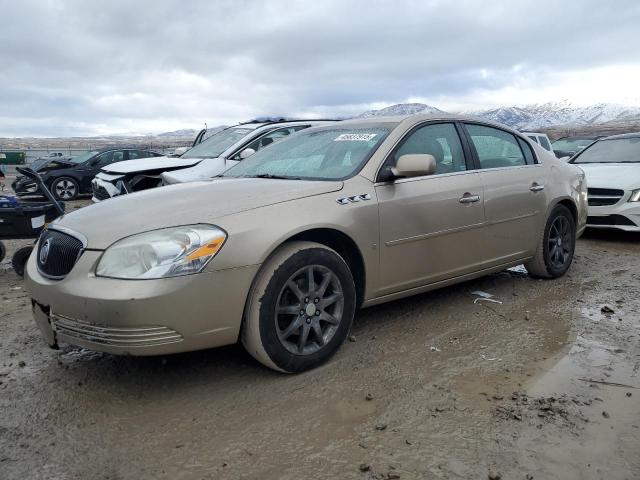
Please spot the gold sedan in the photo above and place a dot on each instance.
(283, 250)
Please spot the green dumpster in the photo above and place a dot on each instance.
(12, 158)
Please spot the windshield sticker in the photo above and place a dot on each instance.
(355, 137)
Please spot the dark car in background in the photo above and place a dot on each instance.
(569, 146)
(69, 177)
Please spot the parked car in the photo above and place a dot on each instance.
(282, 250)
(567, 147)
(612, 166)
(68, 178)
(216, 153)
(541, 139)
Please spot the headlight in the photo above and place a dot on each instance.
(169, 252)
(635, 196)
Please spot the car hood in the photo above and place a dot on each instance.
(625, 176)
(153, 163)
(188, 203)
(205, 170)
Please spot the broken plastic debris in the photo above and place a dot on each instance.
(518, 269)
(435, 349)
(484, 296)
(484, 357)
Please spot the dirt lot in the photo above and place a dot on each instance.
(544, 385)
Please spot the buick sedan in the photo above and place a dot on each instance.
(282, 250)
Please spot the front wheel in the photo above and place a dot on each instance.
(65, 188)
(300, 309)
(19, 259)
(557, 246)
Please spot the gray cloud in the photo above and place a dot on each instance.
(79, 68)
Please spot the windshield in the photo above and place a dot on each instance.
(575, 145)
(621, 150)
(328, 154)
(83, 157)
(216, 144)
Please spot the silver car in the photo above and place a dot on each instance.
(283, 250)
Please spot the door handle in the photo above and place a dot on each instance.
(468, 198)
(536, 187)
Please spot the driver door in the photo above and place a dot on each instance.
(431, 227)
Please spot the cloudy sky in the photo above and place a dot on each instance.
(88, 68)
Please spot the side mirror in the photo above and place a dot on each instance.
(180, 151)
(414, 165)
(247, 152)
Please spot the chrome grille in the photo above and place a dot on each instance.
(116, 337)
(57, 253)
(599, 197)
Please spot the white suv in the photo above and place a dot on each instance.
(204, 161)
(541, 139)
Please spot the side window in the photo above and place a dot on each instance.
(268, 139)
(528, 153)
(118, 156)
(495, 148)
(133, 154)
(440, 140)
(545, 143)
(104, 159)
(534, 138)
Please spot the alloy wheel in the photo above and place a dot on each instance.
(309, 309)
(559, 242)
(65, 189)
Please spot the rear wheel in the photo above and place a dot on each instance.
(300, 309)
(65, 188)
(557, 246)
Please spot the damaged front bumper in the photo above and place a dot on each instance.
(105, 186)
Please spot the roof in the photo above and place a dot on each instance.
(622, 135)
(424, 117)
(287, 123)
(259, 122)
(581, 137)
(108, 149)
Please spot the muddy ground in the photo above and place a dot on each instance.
(544, 385)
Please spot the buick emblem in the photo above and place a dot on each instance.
(44, 251)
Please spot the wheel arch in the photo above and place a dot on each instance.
(345, 246)
(567, 202)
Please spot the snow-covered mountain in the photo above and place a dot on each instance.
(530, 117)
(185, 132)
(559, 113)
(401, 109)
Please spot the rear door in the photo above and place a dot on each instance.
(430, 226)
(514, 197)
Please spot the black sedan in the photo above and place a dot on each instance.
(68, 178)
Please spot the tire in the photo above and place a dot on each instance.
(278, 340)
(65, 188)
(3, 251)
(19, 260)
(556, 246)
